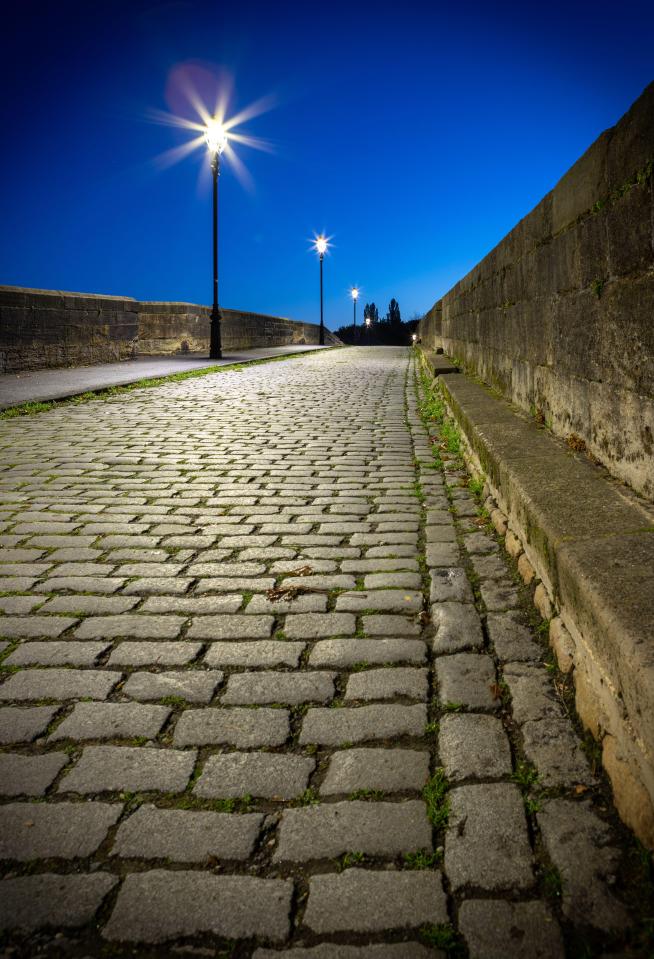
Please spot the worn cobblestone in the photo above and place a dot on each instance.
(387, 770)
(62, 831)
(28, 903)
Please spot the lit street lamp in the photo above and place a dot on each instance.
(368, 322)
(216, 140)
(321, 249)
(354, 293)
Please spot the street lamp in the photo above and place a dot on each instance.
(216, 140)
(354, 293)
(368, 322)
(321, 248)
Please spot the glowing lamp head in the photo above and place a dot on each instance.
(321, 245)
(367, 321)
(354, 293)
(414, 337)
(215, 136)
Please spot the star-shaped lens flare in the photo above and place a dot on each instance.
(212, 130)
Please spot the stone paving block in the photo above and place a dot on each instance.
(173, 653)
(442, 554)
(54, 830)
(319, 625)
(192, 604)
(495, 929)
(231, 627)
(388, 770)
(347, 652)
(19, 605)
(158, 586)
(321, 582)
(194, 686)
(479, 544)
(34, 627)
(226, 569)
(59, 683)
(274, 687)
(408, 580)
(333, 727)
(350, 901)
(511, 638)
(388, 683)
(243, 728)
(88, 605)
(111, 721)
(241, 584)
(158, 906)
(490, 566)
(467, 679)
(185, 835)
(268, 775)
(57, 653)
(269, 652)
(310, 603)
(581, 846)
(130, 626)
(450, 584)
(17, 584)
(29, 775)
(473, 747)
(377, 566)
(84, 570)
(22, 724)
(80, 584)
(553, 747)
(333, 950)
(457, 626)
(329, 830)
(389, 625)
(499, 595)
(129, 769)
(487, 845)
(392, 600)
(32, 902)
(439, 534)
(532, 694)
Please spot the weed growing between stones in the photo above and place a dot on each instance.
(435, 796)
(423, 860)
(442, 936)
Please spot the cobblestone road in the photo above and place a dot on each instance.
(267, 686)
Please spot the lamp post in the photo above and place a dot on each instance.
(368, 322)
(354, 293)
(321, 249)
(216, 140)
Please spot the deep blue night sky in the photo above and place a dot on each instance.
(416, 134)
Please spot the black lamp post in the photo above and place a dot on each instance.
(216, 140)
(321, 248)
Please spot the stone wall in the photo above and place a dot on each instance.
(184, 327)
(49, 328)
(46, 328)
(559, 317)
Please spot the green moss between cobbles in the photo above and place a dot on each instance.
(28, 409)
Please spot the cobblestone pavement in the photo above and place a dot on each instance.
(268, 685)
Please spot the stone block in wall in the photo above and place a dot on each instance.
(593, 248)
(632, 141)
(586, 182)
(629, 229)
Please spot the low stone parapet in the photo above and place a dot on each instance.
(586, 545)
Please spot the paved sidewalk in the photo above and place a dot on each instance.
(269, 688)
(43, 385)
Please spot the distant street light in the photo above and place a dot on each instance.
(321, 248)
(216, 140)
(368, 322)
(414, 337)
(354, 293)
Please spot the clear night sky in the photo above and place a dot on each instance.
(416, 134)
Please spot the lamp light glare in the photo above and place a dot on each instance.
(215, 136)
(354, 293)
(367, 321)
(321, 244)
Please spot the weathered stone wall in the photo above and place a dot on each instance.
(559, 317)
(49, 328)
(184, 327)
(430, 328)
(46, 328)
